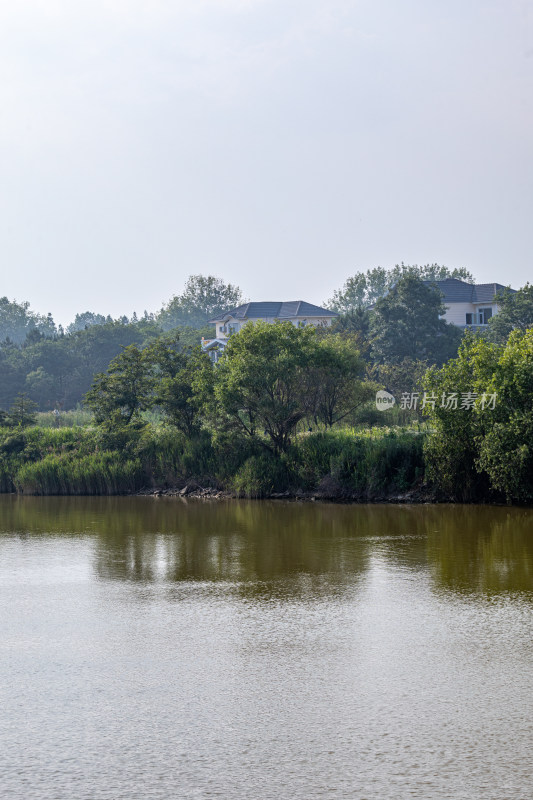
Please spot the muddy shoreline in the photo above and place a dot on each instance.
(194, 491)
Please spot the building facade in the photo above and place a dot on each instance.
(297, 312)
(468, 305)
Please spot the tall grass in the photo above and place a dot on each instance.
(65, 419)
(365, 464)
(95, 474)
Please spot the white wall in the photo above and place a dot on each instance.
(456, 312)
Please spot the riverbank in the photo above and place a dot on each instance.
(421, 494)
(352, 464)
(365, 465)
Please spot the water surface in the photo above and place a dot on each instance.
(153, 648)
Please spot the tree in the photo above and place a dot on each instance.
(407, 323)
(262, 381)
(204, 297)
(354, 321)
(506, 450)
(487, 446)
(364, 288)
(17, 321)
(85, 320)
(405, 376)
(516, 313)
(176, 371)
(336, 380)
(12, 372)
(51, 371)
(360, 291)
(22, 412)
(40, 386)
(124, 390)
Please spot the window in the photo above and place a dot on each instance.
(484, 315)
(481, 317)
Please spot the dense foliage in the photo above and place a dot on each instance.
(364, 288)
(203, 298)
(484, 449)
(286, 409)
(407, 323)
(515, 313)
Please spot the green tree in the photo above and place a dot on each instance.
(360, 290)
(335, 380)
(506, 449)
(17, 321)
(124, 390)
(515, 313)
(204, 297)
(452, 449)
(407, 323)
(176, 374)
(12, 373)
(485, 448)
(406, 376)
(354, 321)
(364, 288)
(85, 320)
(262, 381)
(22, 412)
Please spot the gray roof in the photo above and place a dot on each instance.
(213, 344)
(456, 291)
(281, 310)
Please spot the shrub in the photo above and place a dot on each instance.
(260, 476)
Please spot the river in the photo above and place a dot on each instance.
(157, 648)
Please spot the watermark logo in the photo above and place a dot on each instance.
(384, 400)
(448, 401)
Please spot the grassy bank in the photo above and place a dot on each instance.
(364, 464)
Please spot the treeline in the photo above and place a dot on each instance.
(243, 425)
(286, 409)
(248, 424)
(55, 367)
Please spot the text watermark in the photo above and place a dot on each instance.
(448, 401)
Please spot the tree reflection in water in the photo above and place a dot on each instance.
(282, 549)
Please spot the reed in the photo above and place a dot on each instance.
(365, 463)
(94, 474)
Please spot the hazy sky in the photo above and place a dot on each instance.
(281, 145)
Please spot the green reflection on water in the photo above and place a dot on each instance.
(291, 547)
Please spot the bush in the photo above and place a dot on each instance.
(260, 476)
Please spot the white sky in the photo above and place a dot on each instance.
(279, 144)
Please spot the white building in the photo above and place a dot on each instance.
(468, 304)
(298, 312)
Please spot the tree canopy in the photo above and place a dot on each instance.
(17, 321)
(515, 313)
(488, 443)
(407, 323)
(272, 377)
(364, 288)
(204, 297)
